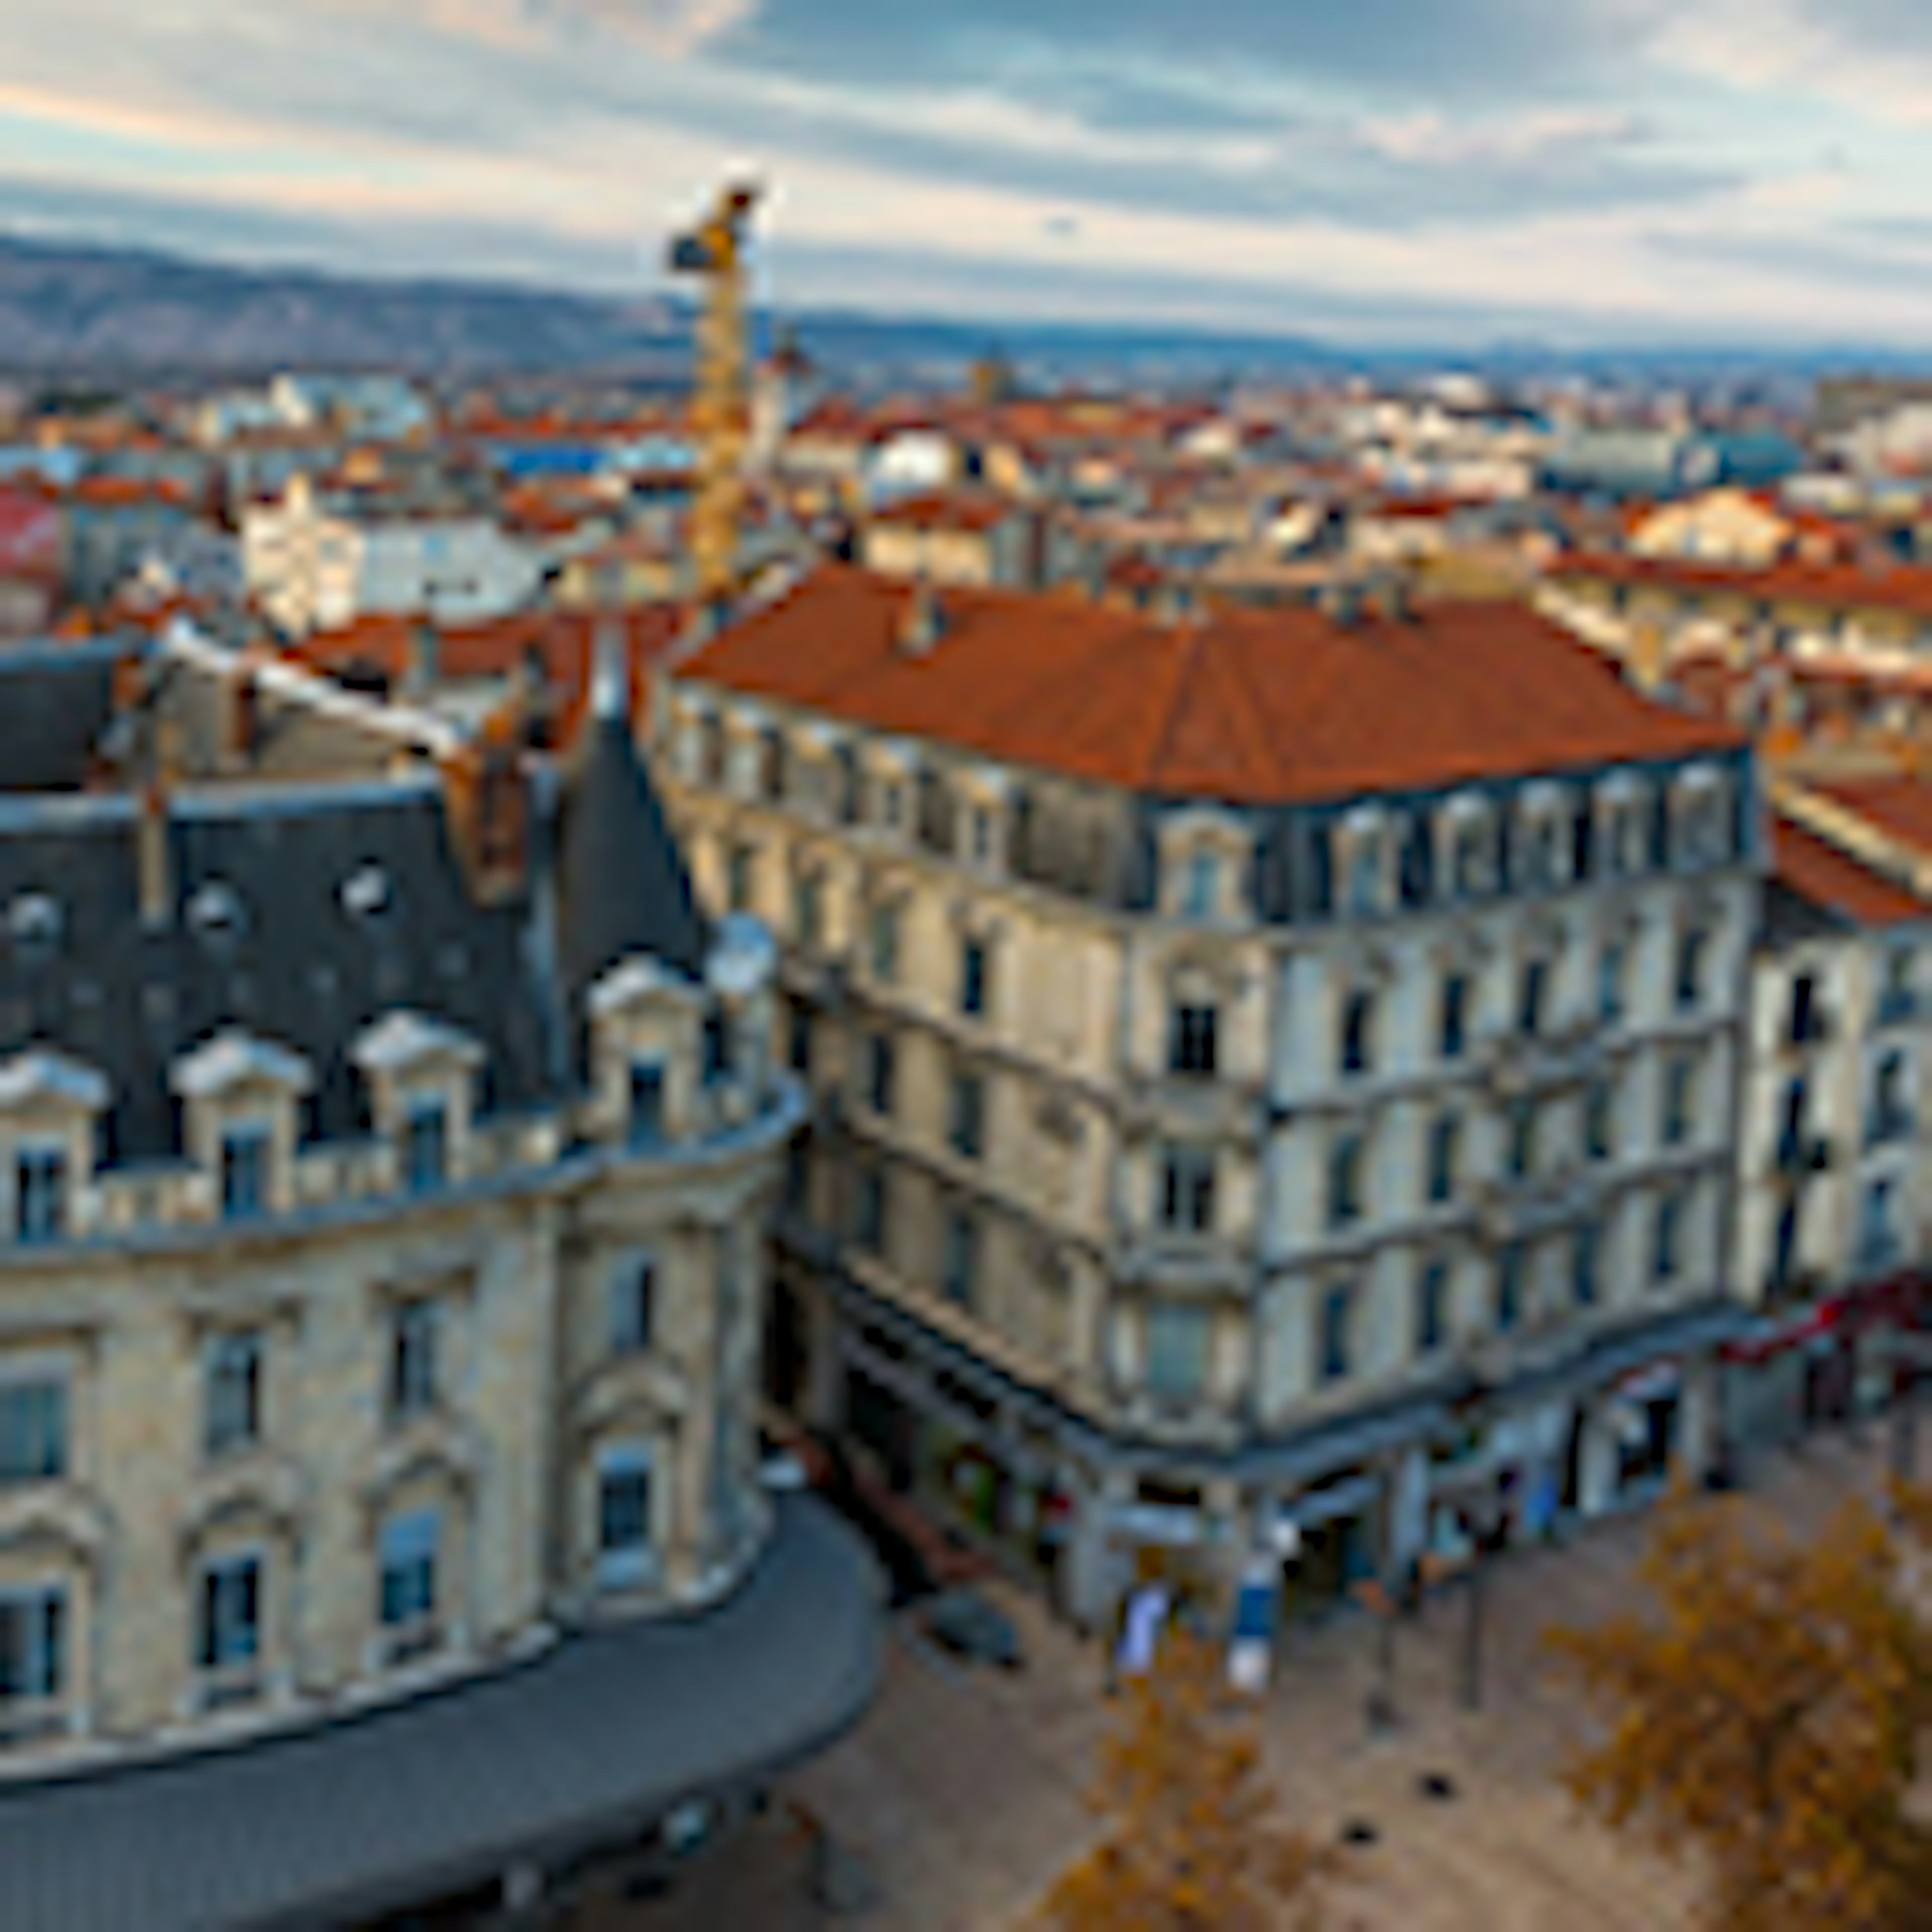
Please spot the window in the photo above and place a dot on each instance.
(1520, 1140)
(1897, 1000)
(959, 1259)
(425, 1145)
(979, 835)
(1432, 1305)
(1365, 872)
(1891, 1117)
(808, 910)
(1627, 840)
(1784, 1242)
(1878, 1244)
(1700, 827)
(798, 1032)
(1354, 1049)
(1693, 946)
(231, 1611)
(1612, 976)
(893, 804)
(1445, 1145)
(412, 1352)
(1512, 1268)
(1192, 1042)
(624, 1538)
(883, 943)
(1585, 1250)
(716, 1047)
(974, 974)
(738, 863)
(1600, 1123)
(40, 1193)
(647, 1102)
(244, 1171)
(1187, 1190)
(1806, 1023)
(869, 1210)
(1345, 1181)
(1532, 995)
(1177, 1351)
(33, 1431)
(233, 1372)
(1667, 1257)
(1469, 859)
(1201, 886)
(966, 1124)
(33, 1647)
(1680, 1094)
(881, 1064)
(1540, 852)
(406, 1589)
(633, 1306)
(1453, 1036)
(1338, 1321)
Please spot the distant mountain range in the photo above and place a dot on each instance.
(73, 308)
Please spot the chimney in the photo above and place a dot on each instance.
(153, 834)
(424, 664)
(1341, 603)
(923, 623)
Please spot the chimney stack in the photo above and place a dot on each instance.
(924, 623)
(153, 834)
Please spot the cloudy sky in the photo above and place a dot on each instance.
(1653, 169)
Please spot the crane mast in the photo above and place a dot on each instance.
(715, 252)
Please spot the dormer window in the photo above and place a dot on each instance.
(1543, 866)
(1470, 837)
(365, 893)
(215, 912)
(419, 1072)
(425, 1143)
(893, 804)
(1698, 828)
(246, 1151)
(1625, 835)
(40, 1191)
(34, 925)
(717, 1048)
(646, 1126)
(1201, 892)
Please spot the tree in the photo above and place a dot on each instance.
(1187, 1843)
(1764, 1719)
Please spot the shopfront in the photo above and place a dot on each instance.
(1331, 1536)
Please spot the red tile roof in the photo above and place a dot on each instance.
(1818, 871)
(1906, 587)
(1900, 807)
(970, 512)
(1283, 705)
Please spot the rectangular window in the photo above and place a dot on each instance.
(1512, 1268)
(407, 1592)
(33, 1646)
(883, 943)
(633, 1305)
(1612, 970)
(1668, 1257)
(1520, 1142)
(1805, 1026)
(799, 1037)
(1187, 1190)
(959, 1259)
(1532, 994)
(881, 1065)
(1445, 1137)
(1878, 1242)
(1345, 1181)
(624, 1538)
(1454, 1033)
(869, 1211)
(717, 1047)
(244, 1171)
(233, 1371)
(974, 978)
(967, 1115)
(647, 1102)
(809, 911)
(425, 1145)
(1890, 1118)
(230, 1636)
(40, 1193)
(1600, 1125)
(1784, 1243)
(1200, 890)
(1898, 1000)
(1431, 1306)
(1692, 945)
(1177, 1336)
(1337, 1336)
(738, 863)
(1192, 1043)
(1680, 1078)
(1586, 1248)
(33, 1431)
(412, 1353)
(1354, 1049)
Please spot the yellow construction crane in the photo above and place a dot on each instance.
(721, 416)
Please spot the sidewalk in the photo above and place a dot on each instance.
(961, 1794)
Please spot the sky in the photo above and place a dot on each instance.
(1581, 170)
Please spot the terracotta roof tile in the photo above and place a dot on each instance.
(1284, 705)
(1818, 871)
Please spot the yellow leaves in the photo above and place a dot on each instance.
(1765, 1716)
(1187, 1843)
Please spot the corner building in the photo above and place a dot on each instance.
(1272, 1072)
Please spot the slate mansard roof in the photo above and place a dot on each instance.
(1250, 709)
(303, 912)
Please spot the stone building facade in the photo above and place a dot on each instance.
(1276, 1076)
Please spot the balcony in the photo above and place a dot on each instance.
(1519, 1063)
(1511, 1209)
(1810, 1028)
(1213, 1264)
(1797, 1156)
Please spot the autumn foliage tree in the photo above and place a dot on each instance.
(1187, 1841)
(1765, 1718)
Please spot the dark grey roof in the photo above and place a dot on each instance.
(620, 877)
(1788, 918)
(588, 1744)
(55, 701)
(297, 965)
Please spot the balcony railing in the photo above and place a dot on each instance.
(1798, 1155)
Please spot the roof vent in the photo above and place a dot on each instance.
(215, 911)
(365, 892)
(924, 622)
(34, 922)
(1341, 605)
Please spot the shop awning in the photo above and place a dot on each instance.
(582, 1748)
